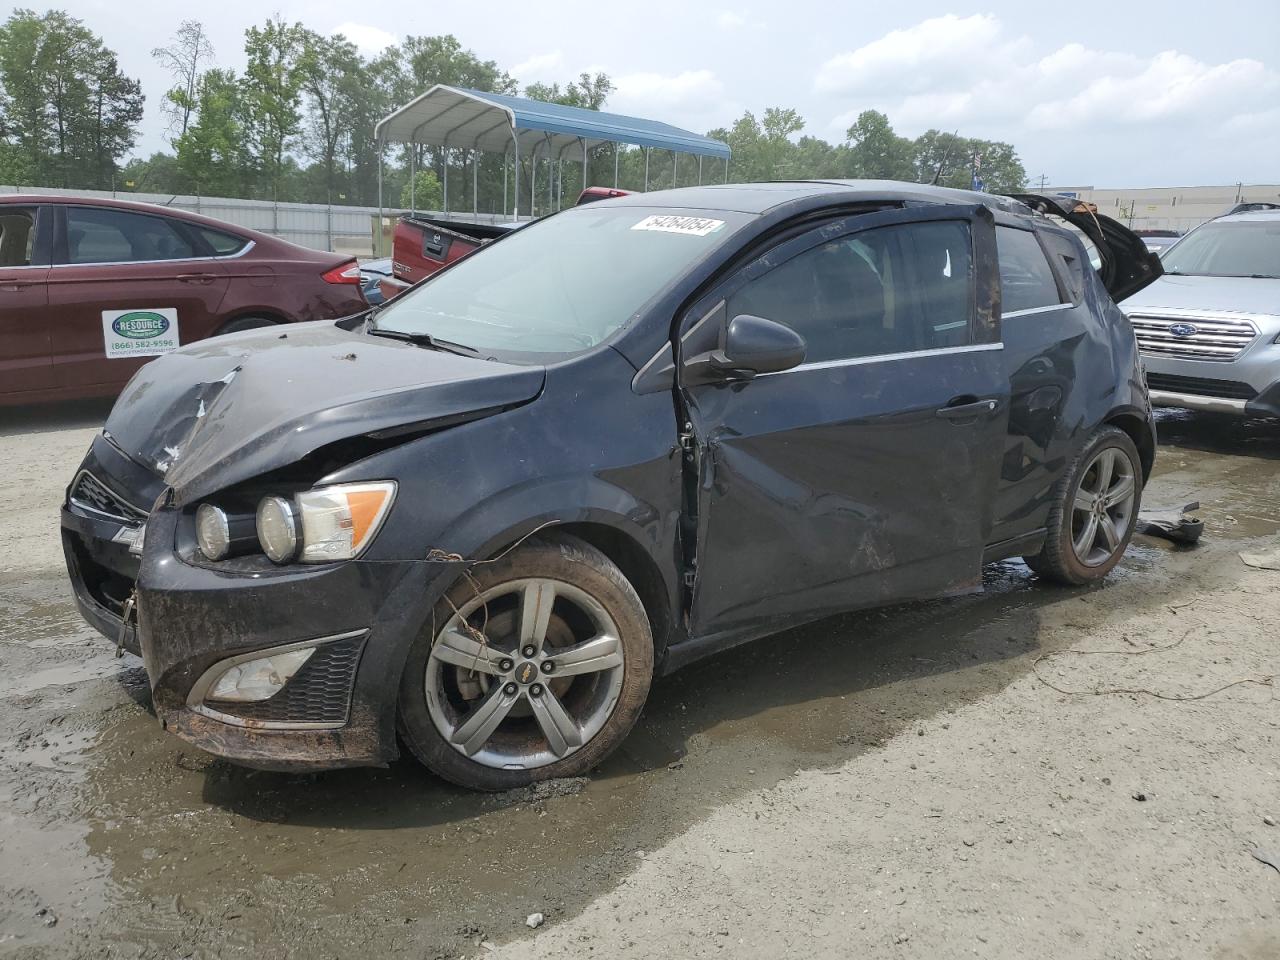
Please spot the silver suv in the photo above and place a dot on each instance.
(1209, 329)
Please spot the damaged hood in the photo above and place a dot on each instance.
(224, 410)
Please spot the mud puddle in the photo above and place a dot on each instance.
(145, 847)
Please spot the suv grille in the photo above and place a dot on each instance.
(90, 493)
(1201, 387)
(1204, 338)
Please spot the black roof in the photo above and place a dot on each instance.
(763, 197)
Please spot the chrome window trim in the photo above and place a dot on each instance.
(885, 358)
(195, 699)
(1030, 310)
(129, 263)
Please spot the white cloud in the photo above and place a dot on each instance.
(728, 20)
(368, 39)
(686, 89)
(968, 73)
(543, 66)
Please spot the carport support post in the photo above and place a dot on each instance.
(377, 243)
(504, 182)
(475, 185)
(413, 178)
(516, 172)
(699, 169)
(726, 169)
(675, 167)
(444, 169)
(617, 152)
(584, 163)
(646, 169)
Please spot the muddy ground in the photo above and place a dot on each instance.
(901, 783)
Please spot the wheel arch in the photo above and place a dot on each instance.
(248, 313)
(1133, 423)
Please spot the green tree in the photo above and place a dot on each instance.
(427, 193)
(763, 150)
(271, 90)
(334, 84)
(213, 154)
(184, 58)
(69, 112)
(876, 152)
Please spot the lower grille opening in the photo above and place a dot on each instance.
(318, 693)
(1201, 386)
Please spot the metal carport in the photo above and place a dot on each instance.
(461, 119)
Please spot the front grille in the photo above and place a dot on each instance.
(90, 493)
(1221, 338)
(1201, 387)
(318, 693)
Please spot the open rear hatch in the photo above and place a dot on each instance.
(1127, 265)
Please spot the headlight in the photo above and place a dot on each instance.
(325, 524)
(277, 529)
(259, 679)
(338, 522)
(213, 532)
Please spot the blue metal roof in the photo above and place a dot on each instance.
(457, 117)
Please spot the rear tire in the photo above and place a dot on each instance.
(244, 323)
(586, 683)
(1094, 512)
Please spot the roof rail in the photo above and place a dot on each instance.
(1252, 206)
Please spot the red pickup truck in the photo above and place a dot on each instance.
(421, 246)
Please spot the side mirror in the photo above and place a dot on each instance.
(752, 345)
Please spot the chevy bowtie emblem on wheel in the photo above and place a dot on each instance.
(527, 672)
(1183, 329)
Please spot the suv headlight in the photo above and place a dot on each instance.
(325, 524)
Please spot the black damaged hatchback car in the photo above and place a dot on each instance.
(480, 519)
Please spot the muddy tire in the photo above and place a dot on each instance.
(245, 323)
(535, 667)
(1094, 512)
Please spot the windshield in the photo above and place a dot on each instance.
(1239, 249)
(562, 285)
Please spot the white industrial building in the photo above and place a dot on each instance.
(1170, 208)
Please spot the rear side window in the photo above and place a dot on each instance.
(17, 235)
(102, 235)
(888, 290)
(1026, 279)
(223, 244)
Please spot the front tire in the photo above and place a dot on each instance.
(1094, 512)
(532, 667)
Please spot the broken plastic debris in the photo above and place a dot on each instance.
(1263, 561)
(1174, 524)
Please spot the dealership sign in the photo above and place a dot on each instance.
(140, 333)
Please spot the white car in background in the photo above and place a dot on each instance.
(1209, 329)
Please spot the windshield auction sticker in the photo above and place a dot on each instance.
(669, 223)
(140, 333)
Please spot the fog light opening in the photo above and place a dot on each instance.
(261, 679)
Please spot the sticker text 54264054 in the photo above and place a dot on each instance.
(689, 226)
(140, 333)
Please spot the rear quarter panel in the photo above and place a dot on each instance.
(1070, 370)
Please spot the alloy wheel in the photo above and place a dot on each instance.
(1103, 507)
(524, 674)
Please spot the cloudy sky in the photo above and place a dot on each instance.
(1118, 93)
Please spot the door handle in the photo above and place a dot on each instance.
(963, 408)
(7, 284)
(197, 277)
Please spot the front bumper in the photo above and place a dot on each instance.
(1195, 395)
(337, 711)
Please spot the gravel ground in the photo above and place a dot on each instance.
(936, 780)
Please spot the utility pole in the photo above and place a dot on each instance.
(1044, 180)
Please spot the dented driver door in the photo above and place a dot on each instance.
(864, 475)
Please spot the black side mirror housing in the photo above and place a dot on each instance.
(752, 345)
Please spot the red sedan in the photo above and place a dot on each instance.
(91, 289)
